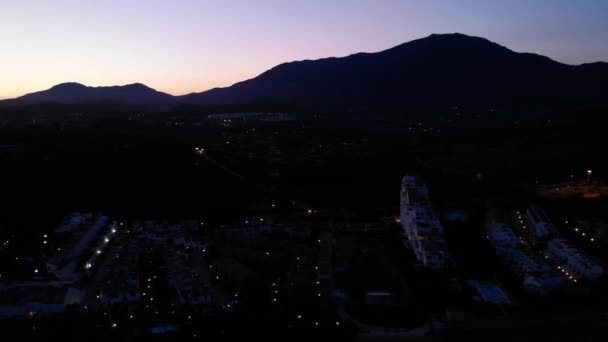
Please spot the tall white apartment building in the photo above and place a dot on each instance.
(420, 224)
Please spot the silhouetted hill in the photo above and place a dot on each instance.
(422, 75)
(440, 70)
(136, 93)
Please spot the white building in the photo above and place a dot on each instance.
(533, 270)
(235, 116)
(540, 225)
(520, 262)
(420, 224)
(574, 263)
(498, 231)
(279, 117)
(583, 267)
(559, 250)
(379, 298)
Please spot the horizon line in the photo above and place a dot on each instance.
(287, 62)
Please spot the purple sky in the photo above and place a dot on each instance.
(183, 46)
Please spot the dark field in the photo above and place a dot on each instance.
(136, 171)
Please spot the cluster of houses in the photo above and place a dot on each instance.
(537, 254)
(258, 116)
(534, 272)
(87, 268)
(71, 253)
(117, 279)
(181, 250)
(572, 262)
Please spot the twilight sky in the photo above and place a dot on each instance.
(182, 46)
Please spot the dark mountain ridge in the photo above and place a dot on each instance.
(438, 70)
(73, 92)
(433, 72)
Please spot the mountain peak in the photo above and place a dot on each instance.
(79, 86)
(453, 34)
(460, 39)
(72, 92)
(68, 85)
(446, 44)
(457, 36)
(137, 86)
(438, 70)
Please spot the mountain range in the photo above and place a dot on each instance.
(436, 71)
(73, 92)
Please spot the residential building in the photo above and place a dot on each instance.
(558, 250)
(420, 224)
(583, 267)
(539, 223)
(498, 231)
